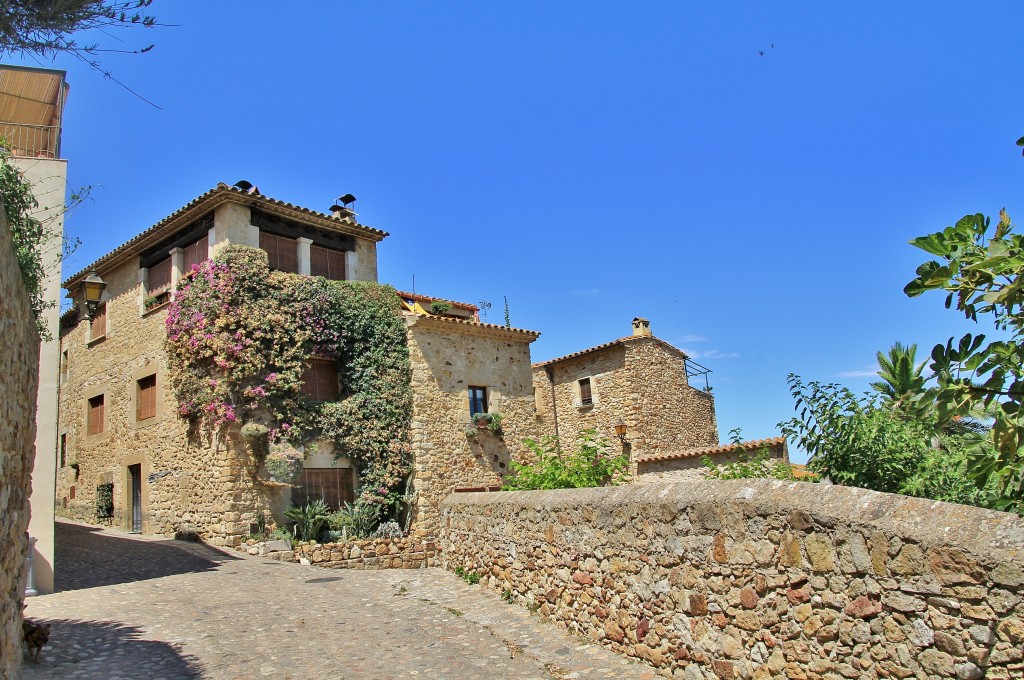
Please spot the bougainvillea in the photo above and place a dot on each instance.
(240, 337)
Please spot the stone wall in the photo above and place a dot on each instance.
(681, 467)
(19, 371)
(757, 578)
(639, 380)
(370, 554)
(447, 357)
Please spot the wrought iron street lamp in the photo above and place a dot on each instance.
(93, 286)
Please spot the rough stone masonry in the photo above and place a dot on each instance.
(758, 578)
(19, 373)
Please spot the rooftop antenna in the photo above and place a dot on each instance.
(413, 284)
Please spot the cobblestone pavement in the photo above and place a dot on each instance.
(131, 607)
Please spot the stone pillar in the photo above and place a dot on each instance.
(304, 264)
(211, 239)
(351, 263)
(177, 265)
(143, 288)
(232, 223)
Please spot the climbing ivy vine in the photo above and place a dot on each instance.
(239, 338)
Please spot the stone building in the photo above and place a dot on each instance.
(120, 433)
(639, 381)
(676, 466)
(31, 113)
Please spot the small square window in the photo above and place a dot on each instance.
(477, 400)
(96, 408)
(586, 397)
(98, 327)
(320, 381)
(145, 398)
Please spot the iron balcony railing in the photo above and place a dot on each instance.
(30, 141)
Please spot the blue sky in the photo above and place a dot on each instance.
(592, 161)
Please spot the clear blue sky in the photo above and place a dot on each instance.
(593, 161)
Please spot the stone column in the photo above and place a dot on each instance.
(177, 264)
(304, 264)
(143, 288)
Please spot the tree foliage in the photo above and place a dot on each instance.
(591, 463)
(44, 27)
(981, 274)
(36, 240)
(901, 375)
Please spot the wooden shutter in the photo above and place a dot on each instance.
(196, 253)
(327, 263)
(95, 415)
(585, 395)
(99, 322)
(334, 486)
(145, 398)
(159, 278)
(320, 381)
(282, 252)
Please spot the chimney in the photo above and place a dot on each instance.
(344, 211)
(641, 327)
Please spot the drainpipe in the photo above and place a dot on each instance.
(550, 372)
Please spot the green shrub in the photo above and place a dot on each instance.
(757, 466)
(591, 464)
(353, 520)
(309, 519)
(105, 500)
(470, 577)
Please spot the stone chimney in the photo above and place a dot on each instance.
(641, 327)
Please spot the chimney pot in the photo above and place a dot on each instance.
(641, 327)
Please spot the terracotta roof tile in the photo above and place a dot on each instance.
(475, 324)
(224, 192)
(713, 450)
(613, 343)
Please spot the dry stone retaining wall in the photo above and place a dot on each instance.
(380, 553)
(758, 578)
(19, 372)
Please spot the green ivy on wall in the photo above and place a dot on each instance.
(239, 338)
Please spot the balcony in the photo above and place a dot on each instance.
(30, 141)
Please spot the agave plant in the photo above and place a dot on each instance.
(309, 519)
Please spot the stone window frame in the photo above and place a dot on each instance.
(133, 390)
(96, 391)
(487, 398)
(577, 394)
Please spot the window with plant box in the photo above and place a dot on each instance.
(327, 263)
(145, 398)
(95, 414)
(98, 326)
(586, 396)
(158, 283)
(320, 381)
(282, 252)
(477, 400)
(334, 486)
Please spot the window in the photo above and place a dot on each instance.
(320, 381)
(98, 327)
(64, 450)
(327, 263)
(95, 415)
(195, 253)
(334, 486)
(586, 398)
(477, 400)
(158, 281)
(282, 252)
(64, 365)
(145, 398)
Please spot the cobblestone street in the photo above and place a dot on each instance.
(131, 607)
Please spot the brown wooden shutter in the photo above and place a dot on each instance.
(145, 400)
(337, 265)
(95, 415)
(585, 395)
(334, 486)
(268, 244)
(159, 277)
(288, 254)
(99, 321)
(319, 261)
(320, 381)
(196, 253)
